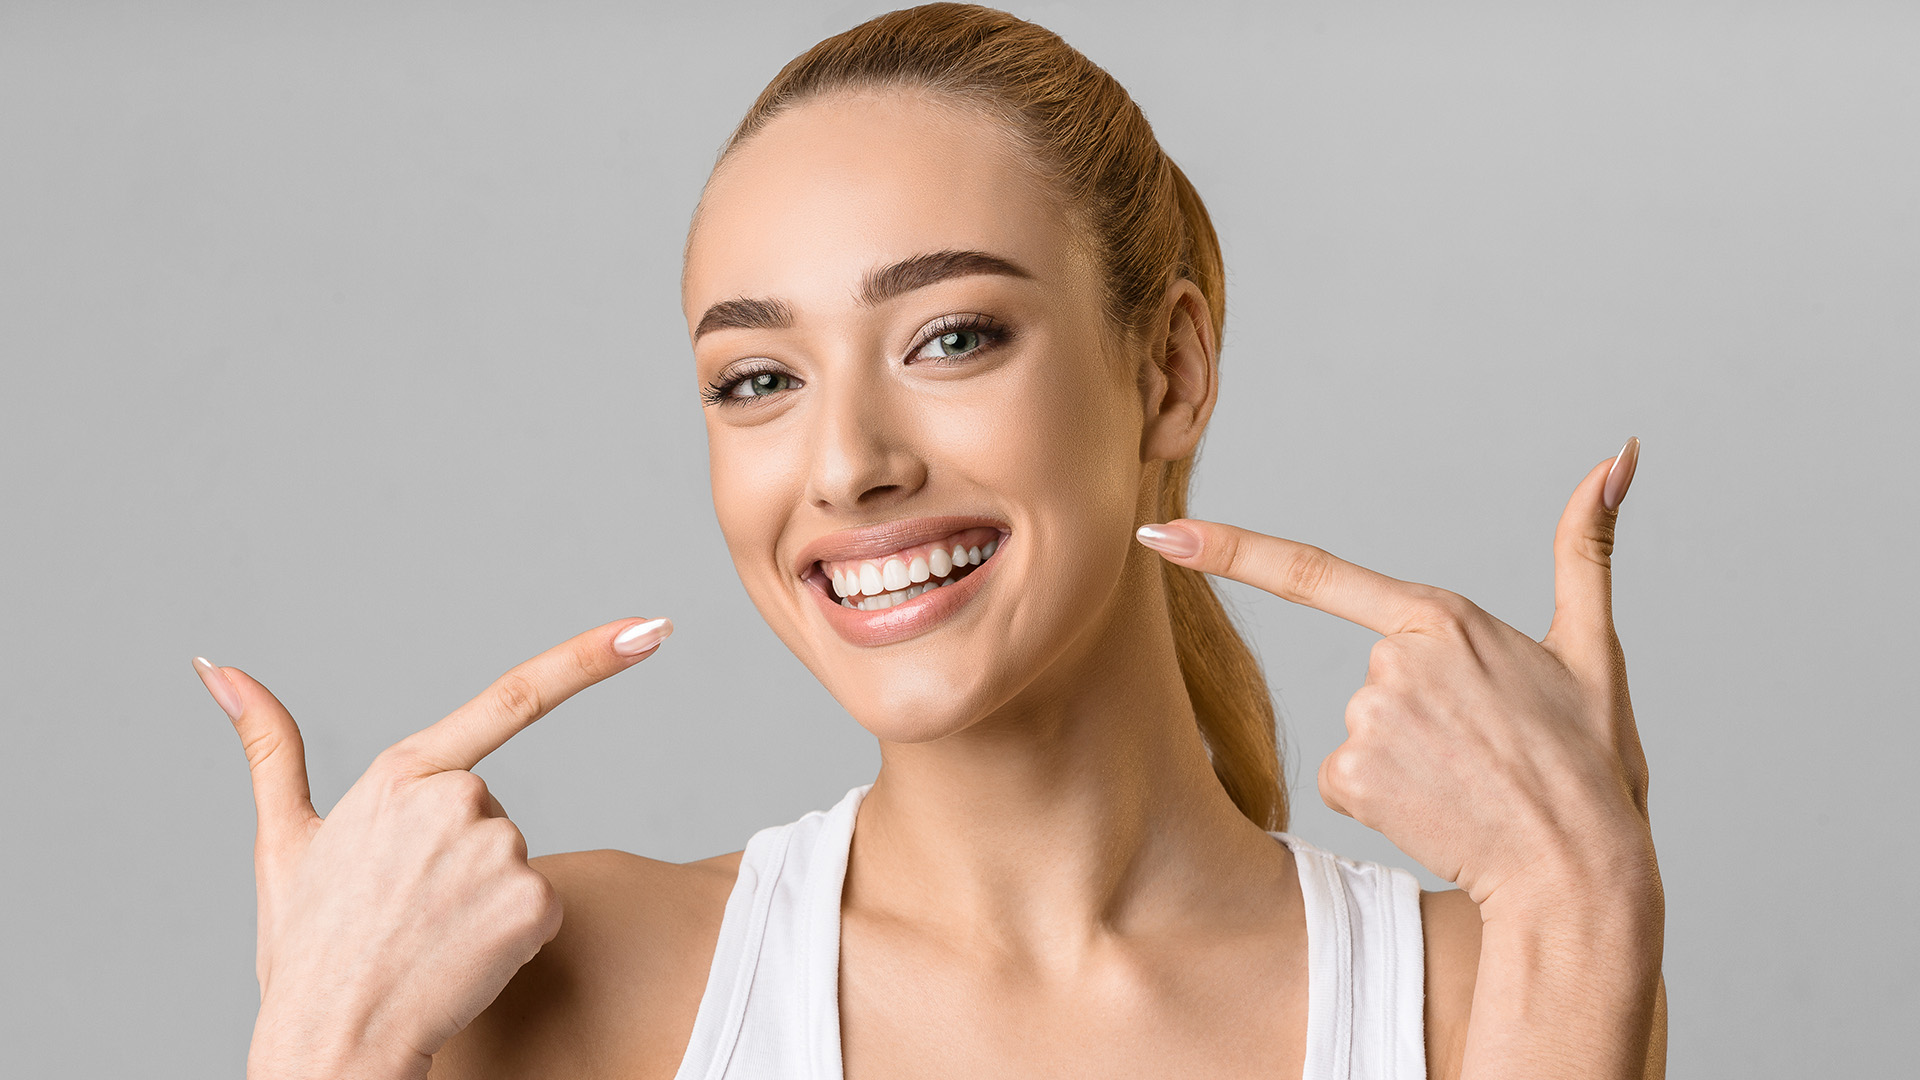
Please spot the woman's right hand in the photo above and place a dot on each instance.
(387, 926)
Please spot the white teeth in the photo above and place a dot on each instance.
(874, 585)
(892, 597)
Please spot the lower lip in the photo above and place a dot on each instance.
(902, 621)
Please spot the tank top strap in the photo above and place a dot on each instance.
(772, 1001)
(1366, 968)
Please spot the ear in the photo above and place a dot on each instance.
(1182, 381)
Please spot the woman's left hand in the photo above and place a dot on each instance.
(1506, 765)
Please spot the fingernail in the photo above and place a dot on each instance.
(1621, 474)
(224, 695)
(640, 637)
(1170, 540)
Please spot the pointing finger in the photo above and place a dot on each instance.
(276, 757)
(531, 690)
(1582, 627)
(1292, 571)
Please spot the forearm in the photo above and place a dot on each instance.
(1568, 982)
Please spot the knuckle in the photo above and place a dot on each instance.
(395, 767)
(1591, 540)
(394, 760)
(1596, 545)
(459, 789)
(1448, 610)
(589, 664)
(467, 786)
(1328, 794)
(261, 744)
(1346, 772)
(1365, 710)
(1307, 573)
(532, 903)
(504, 840)
(518, 696)
(1225, 548)
(1385, 660)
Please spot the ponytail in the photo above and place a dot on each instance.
(1224, 678)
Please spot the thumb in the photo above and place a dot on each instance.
(275, 755)
(1582, 631)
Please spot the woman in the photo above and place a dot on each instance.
(956, 317)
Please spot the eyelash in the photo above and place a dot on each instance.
(992, 334)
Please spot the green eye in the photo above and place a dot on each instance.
(958, 337)
(957, 342)
(762, 384)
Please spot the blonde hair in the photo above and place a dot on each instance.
(1091, 141)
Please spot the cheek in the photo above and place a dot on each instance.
(754, 483)
(1071, 436)
(1060, 446)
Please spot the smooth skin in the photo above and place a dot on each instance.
(1046, 879)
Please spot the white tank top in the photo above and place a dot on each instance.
(772, 1002)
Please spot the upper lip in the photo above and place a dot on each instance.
(885, 538)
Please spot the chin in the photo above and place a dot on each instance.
(911, 705)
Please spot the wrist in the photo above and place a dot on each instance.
(277, 1063)
(1604, 919)
(296, 1047)
(1611, 883)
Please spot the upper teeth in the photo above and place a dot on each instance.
(872, 584)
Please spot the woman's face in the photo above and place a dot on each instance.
(912, 407)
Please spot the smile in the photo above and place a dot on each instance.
(889, 582)
(873, 584)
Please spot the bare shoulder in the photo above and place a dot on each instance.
(615, 994)
(1450, 923)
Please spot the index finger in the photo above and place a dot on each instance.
(531, 690)
(1292, 571)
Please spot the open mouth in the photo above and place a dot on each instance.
(875, 584)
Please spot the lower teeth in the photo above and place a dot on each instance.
(890, 599)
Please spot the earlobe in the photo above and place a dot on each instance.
(1180, 390)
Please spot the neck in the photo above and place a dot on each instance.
(1084, 806)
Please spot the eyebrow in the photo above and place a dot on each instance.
(741, 313)
(881, 285)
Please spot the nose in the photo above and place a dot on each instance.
(863, 457)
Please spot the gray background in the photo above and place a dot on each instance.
(343, 344)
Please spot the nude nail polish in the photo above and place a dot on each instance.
(1170, 540)
(217, 684)
(1621, 474)
(640, 637)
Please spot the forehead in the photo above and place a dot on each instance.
(841, 184)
